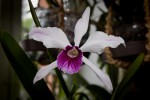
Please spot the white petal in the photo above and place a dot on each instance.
(101, 75)
(81, 26)
(42, 72)
(99, 40)
(51, 37)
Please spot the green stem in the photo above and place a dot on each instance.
(59, 75)
(73, 89)
(61, 79)
(63, 84)
(35, 18)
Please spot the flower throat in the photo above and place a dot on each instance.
(72, 53)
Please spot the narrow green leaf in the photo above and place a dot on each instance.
(113, 74)
(128, 77)
(35, 18)
(24, 68)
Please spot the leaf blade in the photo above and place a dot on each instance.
(24, 68)
(129, 75)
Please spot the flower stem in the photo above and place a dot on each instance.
(59, 75)
(74, 88)
(63, 84)
(33, 13)
(61, 79)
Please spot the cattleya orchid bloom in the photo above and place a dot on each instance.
(71, 57)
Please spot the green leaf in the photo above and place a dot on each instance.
(98, 92)
(113, 74)
(24, 68)
(120, 90)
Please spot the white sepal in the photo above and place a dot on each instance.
(42, 72)
(97, 42)
(100, 74)
(51, 37)
(81, 26)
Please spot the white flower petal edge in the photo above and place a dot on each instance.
(81, 26)
(101, 75)
(51, 37)
(42, 72)
(99, 40)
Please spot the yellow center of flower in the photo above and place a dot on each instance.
(73, 53)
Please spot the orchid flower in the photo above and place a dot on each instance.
(70, 59)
